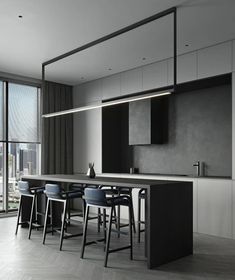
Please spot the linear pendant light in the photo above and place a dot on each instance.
(106, 104)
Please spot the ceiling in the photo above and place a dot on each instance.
(50, 28)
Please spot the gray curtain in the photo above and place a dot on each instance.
(57, 132)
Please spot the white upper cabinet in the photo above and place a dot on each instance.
(233, 55)
(215, 60)
(88, 93)
(111, 86)
(215, 207)
(155, 75)
(170, 71)
(131, 81)
(186, 68)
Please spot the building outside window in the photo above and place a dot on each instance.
(19, 139)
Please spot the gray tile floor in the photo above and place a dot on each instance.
(23, 259)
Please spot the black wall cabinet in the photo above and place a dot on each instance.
(116, 153)
(148, 121)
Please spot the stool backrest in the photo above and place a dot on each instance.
(52, 191)
(95, 197)
(23, 187)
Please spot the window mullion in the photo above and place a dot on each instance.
(5, 148)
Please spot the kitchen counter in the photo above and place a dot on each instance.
(166, 202)
(158, 176)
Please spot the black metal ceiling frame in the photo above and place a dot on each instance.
(122, 31)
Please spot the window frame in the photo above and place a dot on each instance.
(5, 141)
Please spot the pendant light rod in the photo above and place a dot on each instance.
(106, 104)
(140, 23)
(115, 34)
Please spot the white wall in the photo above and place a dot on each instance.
(87, 135)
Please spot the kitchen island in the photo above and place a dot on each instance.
(169, 212)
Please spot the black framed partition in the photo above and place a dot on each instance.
(125, 30)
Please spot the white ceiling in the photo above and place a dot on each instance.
(51, 27)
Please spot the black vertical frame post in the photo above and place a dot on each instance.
(42, 122)
(175, 49)
(5, 148)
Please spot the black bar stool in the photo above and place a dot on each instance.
(81, 187)
(141, 197)
(32, 192)
(97, 198)
(55, 193)
(80, 213)
(118, 191)
(125, 191)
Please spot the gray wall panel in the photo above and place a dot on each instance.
(200, 128)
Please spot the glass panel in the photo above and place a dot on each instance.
(23, 159)
(1, 110)
(1, 177)
(23, 113)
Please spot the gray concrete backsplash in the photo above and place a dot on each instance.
(200, 128)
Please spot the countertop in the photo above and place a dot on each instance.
(155, 176)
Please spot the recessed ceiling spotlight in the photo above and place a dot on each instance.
(110, 69)
(20, 16)
(143, 58)
(186, 45)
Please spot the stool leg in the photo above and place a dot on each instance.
(63, 224)
(31, 215)
(18, 214)
(51, 218)
(69, 211)
(36, 209)
(139, 219)
(104, 225)
(108, 237)
(132, 209)
(45, 222)
(83, 209)
(99, 219)
(130, 233)
(118, 220)
(115, 217)
(84, 231)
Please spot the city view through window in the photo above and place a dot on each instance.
(22, 140)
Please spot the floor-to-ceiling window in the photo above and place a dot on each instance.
(19, 139)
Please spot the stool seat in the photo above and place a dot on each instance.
(120, 200)
(72, 194)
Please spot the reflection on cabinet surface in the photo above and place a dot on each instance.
(215, 207)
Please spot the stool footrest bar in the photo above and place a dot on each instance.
(119, 249)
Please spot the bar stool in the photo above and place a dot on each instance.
(125, 191)
(55, 193)
(97, 198)
(32, 192)
(81, 187)
(110, 192)
(141, 197)
(76, 187)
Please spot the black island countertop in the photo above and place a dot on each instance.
(168, 215)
